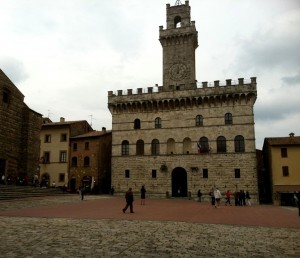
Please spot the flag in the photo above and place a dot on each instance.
(199, 147)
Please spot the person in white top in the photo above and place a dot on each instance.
(218, 196)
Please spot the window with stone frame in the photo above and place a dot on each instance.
(285, 171)
(158, 122)
(203, 145)
(205, 173)
(239, 143)
(74, 162)
(284, 153)
(127, 173)
(228, 119)
(47, 138)
(199, 120)
(61, 177)
(63, 156)
(86, 161)
(6, 97)
(221, 144)
(74, 146)
(155, 147)
(153, 173)
(140, 147)
(137, 124)
(125, 148)
(171, 146)
(63, 137)
(187, 146)
(46, 157)
(237, 173)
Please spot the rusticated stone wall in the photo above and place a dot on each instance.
(178, 110)
(19, 132)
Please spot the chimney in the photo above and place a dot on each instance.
(291, 134)
(62, 120)
(103, 129)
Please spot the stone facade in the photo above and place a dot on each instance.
(90, 161)
(19, 136)
(184, 136)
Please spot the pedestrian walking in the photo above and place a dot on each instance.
(297, 200)
(129, 200)
(248, 199)
(199, 194)
(218, 196)
(227, 198)
(82, 192)
(143, 195)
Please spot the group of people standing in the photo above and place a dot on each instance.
(240, 197)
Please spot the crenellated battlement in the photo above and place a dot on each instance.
(202, 85)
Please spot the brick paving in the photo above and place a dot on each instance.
(96, 227)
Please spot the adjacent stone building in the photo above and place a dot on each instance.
(19, 133)
(55, 149)
(90, 161)
(184, 136)
(281, 169)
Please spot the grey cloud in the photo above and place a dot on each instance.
(292, 80)
(267, 51)
(277, 103)
(14, 69)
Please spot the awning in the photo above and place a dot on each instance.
(286, 188)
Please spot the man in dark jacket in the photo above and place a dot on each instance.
(129, 200)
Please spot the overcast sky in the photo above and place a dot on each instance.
(65, 56)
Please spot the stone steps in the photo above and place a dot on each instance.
(9, 192)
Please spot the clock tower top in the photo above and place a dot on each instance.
(179, 42)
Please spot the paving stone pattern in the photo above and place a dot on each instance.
(80, 237)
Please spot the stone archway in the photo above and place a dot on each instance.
(179, 182)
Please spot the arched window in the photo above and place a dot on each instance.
(199, 120)
(171, 146)
(137, 124)
(140, 147)
(86, 162)
(187, 146)
(221, 144)
(74, 162)
(155, 147)
(228, 119)
(177, 22)
(125, 148)
(239, 144)
(203, 146)
(158, 122)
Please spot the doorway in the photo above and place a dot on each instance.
(179, 182)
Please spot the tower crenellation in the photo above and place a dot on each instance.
(248, 84)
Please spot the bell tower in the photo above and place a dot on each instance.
(179, 42)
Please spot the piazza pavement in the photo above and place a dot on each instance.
(65, 226)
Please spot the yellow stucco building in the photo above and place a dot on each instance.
(281, 157)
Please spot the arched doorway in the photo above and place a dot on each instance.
(179, 182)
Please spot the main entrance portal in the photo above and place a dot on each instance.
(179, 182)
